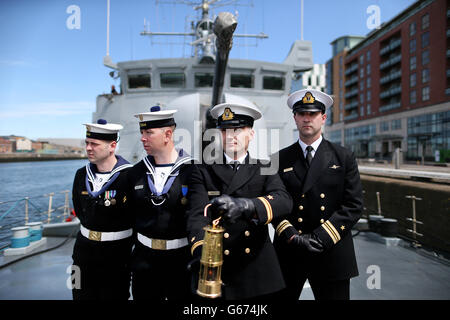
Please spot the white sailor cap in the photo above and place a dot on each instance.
(156, 118)
(309, 100)
(102, 130)
(232, 115)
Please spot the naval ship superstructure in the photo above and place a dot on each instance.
(186, 84)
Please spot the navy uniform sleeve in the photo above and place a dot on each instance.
(342, 220)
(76, 193)
(197, 201)
(275, 203)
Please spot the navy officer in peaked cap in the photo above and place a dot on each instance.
(247, 201)
(158, 193)
(103, 245)
(315, 242)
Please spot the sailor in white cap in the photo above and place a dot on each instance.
(103, 246)
(315, 241)
(246, 201)
(158, 193)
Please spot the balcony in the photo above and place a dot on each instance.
(391, 76)
(351, 116)
(351, 69)
(351, 81)
(351, 93)
(394, 43)
(390, 106)
(390, 92)
(351, 105)
(394, 60)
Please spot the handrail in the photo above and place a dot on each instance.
(65, 207)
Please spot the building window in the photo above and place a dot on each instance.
(361, 72)
(425, 39)
(425, 93)
(412, 63)
(172, 80)
(361, 111)
(361, 98)
(412, 29)
(139, 81)
(425, 75)
(412, 80)
(241, 81)
(369, 96)
(425, 21)
(368, 56)
(384, 126)
(412, 96)
(369, 82)
(396, 124)
(361, 85)
(273, 83)
(412, 45)
(340, 61)
(369, 111)
(425, 57)
(361, 59)
(203, 80)
(368, 69)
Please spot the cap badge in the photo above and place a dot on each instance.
(141, 117)
(308, 98)
(88, 128)
(227, 114)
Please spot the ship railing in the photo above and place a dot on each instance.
(412, 230)
(21, 211)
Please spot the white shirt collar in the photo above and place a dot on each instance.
(315, 144)
(241, 160)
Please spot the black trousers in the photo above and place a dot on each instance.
(100, 269)
(160, 275)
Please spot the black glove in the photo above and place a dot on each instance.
(232, 208)
(309, 242)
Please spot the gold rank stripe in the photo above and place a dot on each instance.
(282, 226)
(195, 245)
(331, 230)
(268, 209)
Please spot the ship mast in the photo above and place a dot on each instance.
(203, 33)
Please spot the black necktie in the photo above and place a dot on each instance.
(309, 156)
(234, 165)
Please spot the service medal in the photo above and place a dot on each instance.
(184, 190)
(113, 201)
(107, 203)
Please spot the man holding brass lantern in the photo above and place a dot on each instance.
(230, 207)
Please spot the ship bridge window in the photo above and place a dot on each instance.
(139, 81)
(241, 80)
(172, 80)
(203, 80)
(273, 83)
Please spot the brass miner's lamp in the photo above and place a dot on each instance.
(210, 283)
